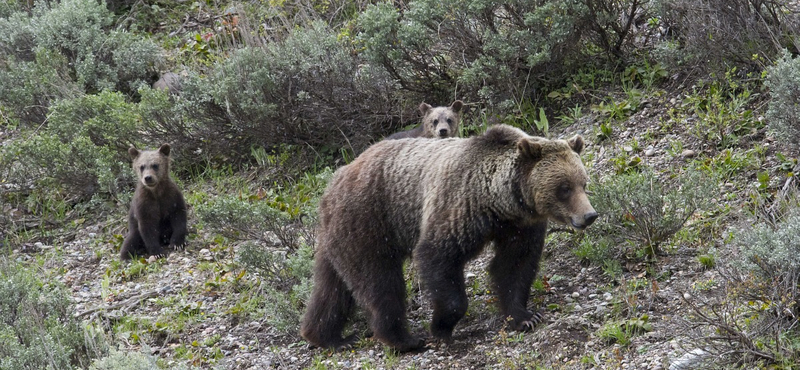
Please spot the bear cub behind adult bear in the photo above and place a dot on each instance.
(499, 188)
(157, 218)
(439, 122)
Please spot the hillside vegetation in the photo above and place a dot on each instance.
(690, 110)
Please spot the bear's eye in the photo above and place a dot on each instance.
(155, 167)
(141, 168)
(449, 121)
(435, 122)
(564, 191)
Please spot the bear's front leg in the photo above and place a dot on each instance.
(150, 232)
(177, 221)
(513, 269)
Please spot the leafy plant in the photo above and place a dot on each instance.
(37, 327)
(643, 211)
(783, 112)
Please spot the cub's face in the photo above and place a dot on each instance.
(556, 184)
(441, 122)
(150, 166)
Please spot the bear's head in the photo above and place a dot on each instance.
(441, 122)
(554, 180)
(151, 166)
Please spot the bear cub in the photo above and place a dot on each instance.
(439, 122)
(157, 218)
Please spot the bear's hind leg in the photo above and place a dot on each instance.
(384, 295)
(448, 292)
(328, 309)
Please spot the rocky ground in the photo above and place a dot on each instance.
(182, 308)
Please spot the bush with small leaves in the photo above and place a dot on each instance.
(771, 255)
(783, 114)
(82, 149)
(641, 211)
(715, 35)
(756, 323)
(128, 360)
(308, 89)
(62, 48)
(490, 51)
(254, 219)
(37, 327)
(286, 281)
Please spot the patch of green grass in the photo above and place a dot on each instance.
(729, 163)
(707, 260)
(621, 332)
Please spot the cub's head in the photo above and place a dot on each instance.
(554, 180)
(441, 122)
(151, 166)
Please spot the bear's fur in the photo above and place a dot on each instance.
(445, 200)
(169, 81)
(439, 122)
(157, 217)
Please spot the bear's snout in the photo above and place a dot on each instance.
(582, 222)
(589, 218)
(443, 132)
(149, 180)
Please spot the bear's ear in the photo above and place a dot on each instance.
(456, 106)
(164, 149)
(424, 108)
(133, 152)
(576, 143)
(529, 149)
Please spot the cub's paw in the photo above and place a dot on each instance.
(345, 344)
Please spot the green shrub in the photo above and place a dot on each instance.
(783, 114)
(489, 51)
(123, 360)
(286, 282)
(37, 327)
(756, 324)
(67, 46)
(308, 89)
(427, 49)
(28, 88)
(102, 58)
(245, 219)
(82, 149)
(714, 35)
(642, 211)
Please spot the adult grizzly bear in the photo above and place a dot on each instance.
(444, 200)
(157, 217)
(439, 122)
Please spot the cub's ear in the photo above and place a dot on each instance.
(456, 106)
(133, 152)
(529, 149)
(576, 143)
(424, 108)
(164, 149)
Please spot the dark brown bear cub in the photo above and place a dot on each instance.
(157, 218)
(439, 122)
(498, 188)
